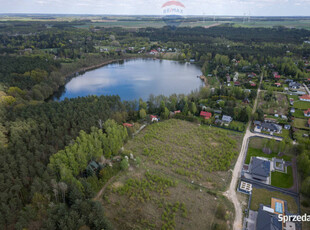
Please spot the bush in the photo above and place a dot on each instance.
(124, 164)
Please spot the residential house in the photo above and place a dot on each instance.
(291, 101)
(305, 98)
(253, 84)
(278, 84)
(227, 119)
(307, 113)
(267, 219)
(287, 127)
(277, 76)
(271, 127)
(178, 111)
(154, 118)
(153, 52)
(259, 169)
(127, 125)
(205, 115)
(284, 117)
(237, 83)
(294, 85)
(246, 101)
(257, 123)
(292, 110)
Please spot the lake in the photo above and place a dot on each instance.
(134, 79)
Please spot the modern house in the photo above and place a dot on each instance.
(294, 85)
(267, 220)
(307, 113)
(305, 98)
(271, 127)
(227, 119)
(205, 115)
(259, 169)
(176, 112)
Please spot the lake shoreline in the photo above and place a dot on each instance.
(149, 71)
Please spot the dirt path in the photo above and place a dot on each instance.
(99, 194)
(231, 192)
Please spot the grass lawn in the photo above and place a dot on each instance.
(301, 123)
(304, 105)
(285, 134)
(263, 196)
(299, 113)
(252, 152)
(282, 180)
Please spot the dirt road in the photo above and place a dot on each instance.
(231, 193)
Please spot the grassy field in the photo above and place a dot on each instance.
(184, 169)
(252, 152)
(300, 24)
(303, 105)
(282, 180)
(263, 196)
(299, 113)
(301, 123)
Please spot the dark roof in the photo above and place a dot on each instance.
(267, 221)
(257, 123)
(271, 126)
(260, 168)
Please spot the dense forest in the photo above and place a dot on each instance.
(36, 59)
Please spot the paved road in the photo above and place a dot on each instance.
(307, 89)
(231, 193)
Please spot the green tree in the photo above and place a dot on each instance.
(142, 113)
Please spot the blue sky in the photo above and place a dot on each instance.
(153, 7)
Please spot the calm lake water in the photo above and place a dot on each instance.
(134, 79)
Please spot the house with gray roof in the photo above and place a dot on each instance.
(267, 221)
(271, 127)
(259, 169)
(227, 119)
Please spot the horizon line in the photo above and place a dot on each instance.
(153, 15)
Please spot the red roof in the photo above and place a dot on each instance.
(127, 125)
(154, 51)
(178, 111)
(309, 121)
(205, 114)
(305, 97)
(237, 83)
(253, 84)
(307, 112)
(277, 76)
(277, 83)
(153, 116)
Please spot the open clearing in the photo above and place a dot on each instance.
(280, 105)
(177, 186)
